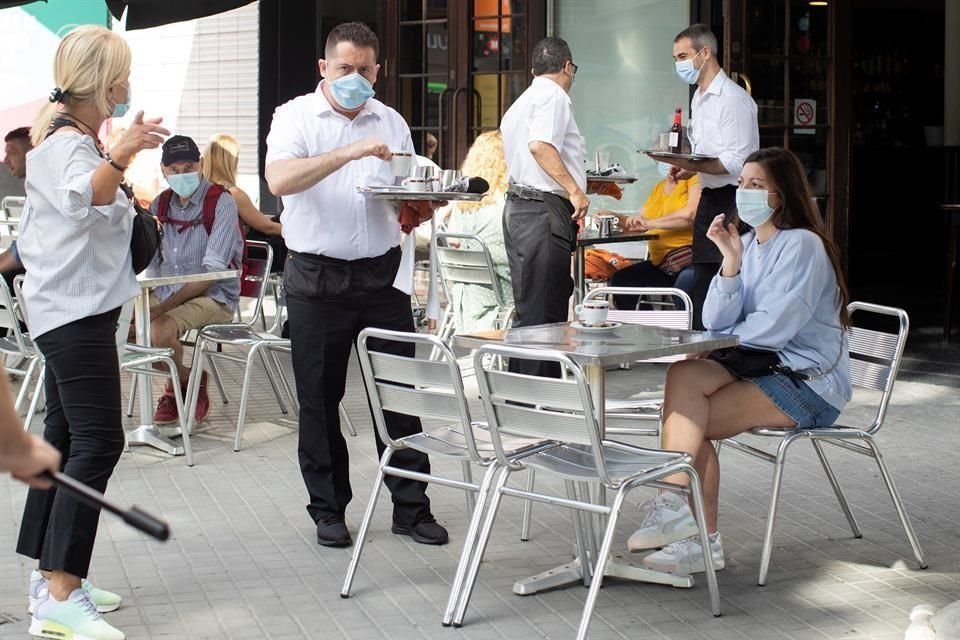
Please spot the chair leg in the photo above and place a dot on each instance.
(772, 510)
(699, 513)
(527, 507)
(184, 418)
(215, 372)
(270, 378)
(481, 545)
(132, 401)
(580, 534)
(898, 503)
(193, 384)
(469, 544)
(836, 489)
(602, 557)
(245, 391)
(25, 383)
(365, 524)
(467, 470)
(291, 395)
(37, 390)
(345, 419)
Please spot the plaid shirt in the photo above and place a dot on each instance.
(193, 251)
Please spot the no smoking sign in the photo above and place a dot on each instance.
(804, 115)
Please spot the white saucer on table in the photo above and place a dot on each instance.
(609, 325)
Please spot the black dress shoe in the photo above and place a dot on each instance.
(425, 531)
(332, 532)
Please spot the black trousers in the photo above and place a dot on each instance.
(539, 239)
(706, 255)
(329, 302)
(84, 423)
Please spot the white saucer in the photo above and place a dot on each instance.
(610, 325)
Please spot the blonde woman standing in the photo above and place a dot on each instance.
(219, 166)
(75, 243)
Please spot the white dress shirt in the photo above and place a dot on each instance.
(331, 218)
(724, 126)
(542, 113)
(77, 255)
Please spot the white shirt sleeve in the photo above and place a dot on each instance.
(285, 140)
(737, 133)
(548, 122)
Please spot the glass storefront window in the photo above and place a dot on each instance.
(626, 89)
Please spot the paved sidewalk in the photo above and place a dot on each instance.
(243, 561)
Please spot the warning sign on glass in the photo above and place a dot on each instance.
(804, 115)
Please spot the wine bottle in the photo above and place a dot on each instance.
(676, 133)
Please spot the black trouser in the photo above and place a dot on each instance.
(539, 239)
(706, 255)
(329, 303)
(84, 423)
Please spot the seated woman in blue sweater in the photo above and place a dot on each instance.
(779, 289)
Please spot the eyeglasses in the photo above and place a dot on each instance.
(575, 67)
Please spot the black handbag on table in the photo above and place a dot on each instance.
(746, 362)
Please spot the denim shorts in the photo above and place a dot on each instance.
(797, 400)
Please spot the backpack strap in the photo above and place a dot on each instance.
(210, 200)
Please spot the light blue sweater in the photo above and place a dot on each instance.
(785, 299)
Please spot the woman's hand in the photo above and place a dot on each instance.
(727, 239)
(637, 223)
(141, 134)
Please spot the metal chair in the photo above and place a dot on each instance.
(874, 361)
(623, 415)
(469, 263)
(17, 344)
(513, 405)
(11, 210)
(429, 388)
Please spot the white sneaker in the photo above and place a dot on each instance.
(685, 556)
(75, 618)
(668, 519)
(105, 600)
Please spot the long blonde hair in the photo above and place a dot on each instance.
(221, 157)
(485, 160)
(89, 60)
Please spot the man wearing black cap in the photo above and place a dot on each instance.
(201, 233)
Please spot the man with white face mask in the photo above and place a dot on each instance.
(341, 274)
(725, 127)
(201, 233)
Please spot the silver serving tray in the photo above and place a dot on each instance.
(399, 194)
(616, 179)
(696, 157)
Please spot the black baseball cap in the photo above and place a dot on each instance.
(178, 149)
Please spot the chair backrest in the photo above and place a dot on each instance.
(11, 310)
(415, 386)
(677, 316)
(875, 355)
(459, 264)
(11, 208)
(514, 402)
(256, 272)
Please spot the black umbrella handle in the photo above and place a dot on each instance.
(134, 516)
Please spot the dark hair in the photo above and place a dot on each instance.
(20, 133)
(549, 56)
(700, 36)
(799, 211)
(356, 33)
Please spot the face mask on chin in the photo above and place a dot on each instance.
(351, 91)
(753, 207)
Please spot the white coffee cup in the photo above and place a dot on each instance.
(400, 163)
(416, 184)
(593, 312)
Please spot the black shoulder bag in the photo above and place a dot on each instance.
(146, 235)
(746, 362)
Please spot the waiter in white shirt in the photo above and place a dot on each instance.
(724, 118)
(547, 193)
(343, 261)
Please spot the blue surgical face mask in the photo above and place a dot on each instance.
(663, 169)
(753, 207)
(351, 91)
(687, 72)
(121, 108)
(184, 184)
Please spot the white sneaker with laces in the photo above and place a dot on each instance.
(668, 519)
(685, 556)
(75, 618)
(106, 601)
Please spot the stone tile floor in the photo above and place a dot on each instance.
(243, 562)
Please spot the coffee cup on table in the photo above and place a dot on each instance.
(593, 313)
(606, 224)
(400, 163)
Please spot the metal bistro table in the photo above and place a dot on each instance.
(594, 352)
(147, 433)
(591, 237)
